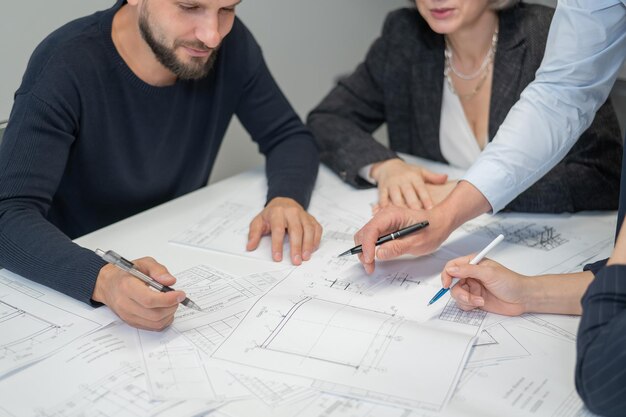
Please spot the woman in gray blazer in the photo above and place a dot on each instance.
(443, 76)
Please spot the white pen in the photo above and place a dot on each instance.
(474, 261)
(126, 265)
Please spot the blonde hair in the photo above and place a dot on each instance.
(503, 4)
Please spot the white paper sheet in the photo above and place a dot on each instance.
(97, 376)
(36, 321)
(367, 338)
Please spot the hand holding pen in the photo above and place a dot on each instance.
(132, 300)
(389, 237)
(474, 261)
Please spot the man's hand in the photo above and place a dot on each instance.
(404, 185)
(462, 204)
(285, 215)
(133, 301)
(488, 285)
(393, 218)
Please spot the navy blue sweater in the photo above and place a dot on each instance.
(88, 143)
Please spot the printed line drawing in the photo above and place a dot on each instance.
(207, 337)
(369, 286)
(213, 290)
(117, 395)
(23, 331)
(453, 313)
(273, 393)
(317, 337)
(34, 324)
(529, 234)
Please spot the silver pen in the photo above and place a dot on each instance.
(126, 265)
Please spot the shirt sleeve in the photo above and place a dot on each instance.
(585, 50)
(364, 173)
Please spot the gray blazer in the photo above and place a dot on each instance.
(401, 84)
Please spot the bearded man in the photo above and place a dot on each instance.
(126, 109)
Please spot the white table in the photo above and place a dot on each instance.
(147, 234)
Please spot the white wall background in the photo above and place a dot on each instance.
(306, 43)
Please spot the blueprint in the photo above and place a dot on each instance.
(225, 226)
(101, 377)
(525, 370)
(174, 359)
(175, 370)
(555, 243)
(354, 338)
(36, 321)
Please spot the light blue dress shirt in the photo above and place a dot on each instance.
(585, 50)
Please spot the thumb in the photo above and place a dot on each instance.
(434, 178)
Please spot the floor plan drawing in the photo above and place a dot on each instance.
(32, 328)
(305, 333)
(115, 385)
(314, 331)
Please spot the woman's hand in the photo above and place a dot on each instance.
(404, 185)
(488, 285)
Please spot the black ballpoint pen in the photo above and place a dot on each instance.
(126, 265)
(391, 236)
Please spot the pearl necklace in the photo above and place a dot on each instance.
(483, 69)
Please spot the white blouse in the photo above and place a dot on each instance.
(456, 138)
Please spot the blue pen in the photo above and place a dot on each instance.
(474, 261)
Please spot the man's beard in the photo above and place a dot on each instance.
(194, 70)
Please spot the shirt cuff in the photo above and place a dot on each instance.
(365, 174)
(493, 183)
(596, 266)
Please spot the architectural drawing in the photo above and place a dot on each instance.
(308, 331)
(31, 327)
(274, 394)
(215, 290)
(22, 331)
(452, 313)
(206, 337)
(102, 377)
(527, 370)
(174, 359)
(526, 234)
(312, 336)
(225, 226)
(175, 370)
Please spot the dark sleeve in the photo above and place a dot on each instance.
(596, 266)
(292, 158)
(344, 121)
(588, 178)
(601, 345)
(33, 156)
